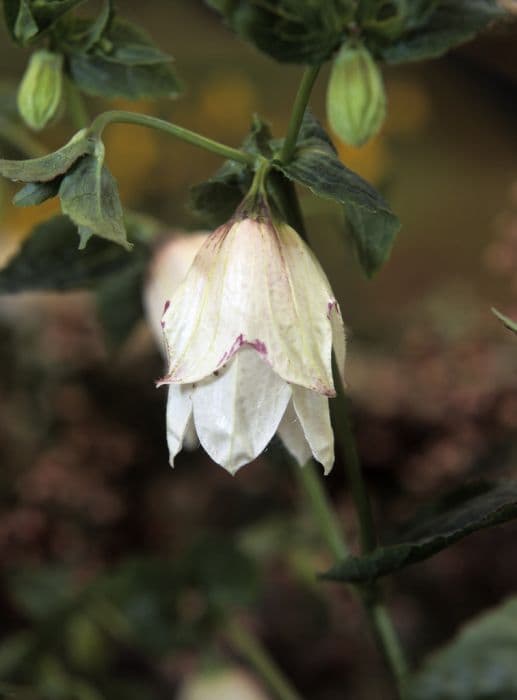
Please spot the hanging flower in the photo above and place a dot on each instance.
(249, 336)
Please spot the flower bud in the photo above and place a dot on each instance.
(39, 95)
(356, 102)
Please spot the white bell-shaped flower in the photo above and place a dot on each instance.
(249, 336)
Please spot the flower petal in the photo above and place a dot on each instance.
(252, 284)
(237, 412)
(179, 416)
(292, 435)
(338, 339)
(313, 413)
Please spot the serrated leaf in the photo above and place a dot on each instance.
(467, 510)
(99, 76)
(315, 165)
(51, 166)
(289, 30)
(36, 193)
(479, 664)
(89, 196)
(511, 325)
(49, 260)
(434, 30)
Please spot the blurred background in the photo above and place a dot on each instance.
(118, 574)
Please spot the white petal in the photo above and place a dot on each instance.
(179, 413)
(237, 413)
(338, 339)
(167, 270)
(313, 413)
(256, 285)
(293, 437)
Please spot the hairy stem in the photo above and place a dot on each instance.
(258, 657)
(121, 117)
(299, 107)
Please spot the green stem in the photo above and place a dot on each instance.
(299, 107)
(121, 117)
(346, 441)
(258, 657)
(380, 620)
(322, 511)
(389, 643)
(76, 107)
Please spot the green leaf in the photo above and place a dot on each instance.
(316, 165)
(102, 77)
(25, 26)
(42, 593)
(468, 509)
(26, 19)
(119, 301)
(511, 325)
(290, 30)
(434, 29)
(479, 664)
(131, 46)
(216, 200)
(49, 260)
(36, 193)
(51, 166)
(89, 196)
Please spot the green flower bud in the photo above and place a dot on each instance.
(39, 94)
(356, 102)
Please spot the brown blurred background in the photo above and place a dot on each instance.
(85, 487)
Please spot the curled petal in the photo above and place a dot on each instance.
(179, 418)
(313, 413)
(237, 413)
(253, 284)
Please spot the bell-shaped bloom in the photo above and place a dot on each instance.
(249, 336)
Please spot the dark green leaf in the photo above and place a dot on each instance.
(479, 664)
(290, 30)
(25, 26)
(41, 593)
(131, 46)
(435, 29)
(49, 260)
(216, 199)
(470, 508)
(26, 19)
(48, 167)
(89, 196)
(99, 76)
(119, 301)
(86, 33)
(511, 325)
(316, 165)
(36, 192)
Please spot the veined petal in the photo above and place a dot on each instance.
(179, 417)
(237, 412)
(313, 413)
(292, 435)
(252, 284)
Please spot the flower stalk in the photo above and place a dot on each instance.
(122, 117)
(300, 105)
